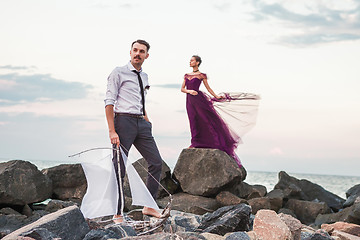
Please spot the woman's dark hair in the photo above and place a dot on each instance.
(143, 42)
(197, 59)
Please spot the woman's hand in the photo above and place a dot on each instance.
(219, 97)
(193, 92)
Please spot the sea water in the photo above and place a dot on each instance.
(332, 183)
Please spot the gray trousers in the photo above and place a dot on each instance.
(137, 132)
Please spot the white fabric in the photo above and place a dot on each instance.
(102, 193)
(240, 112)
(139, 192)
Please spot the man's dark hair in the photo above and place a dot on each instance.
(143, 42)
(197, 59)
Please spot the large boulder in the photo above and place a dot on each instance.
(205, 172)
(69, 181)
(276, 197)
(227, 219)
(309, 191)
(349, 214)
(22, 183)
(67, 223)
(352, 195)
(307, 211)
(166, 181)
(269, 226)
(247, 191)
(11, 220)
(190, 203)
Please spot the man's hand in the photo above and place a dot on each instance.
(114, 138)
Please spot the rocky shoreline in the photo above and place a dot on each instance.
(211, 200)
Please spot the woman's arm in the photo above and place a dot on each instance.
(209, 89)
(184, 90)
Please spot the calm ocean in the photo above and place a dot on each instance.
(333, 183)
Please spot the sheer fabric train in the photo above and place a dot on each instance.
(102, 193)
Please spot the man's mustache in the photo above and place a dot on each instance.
(138, 57)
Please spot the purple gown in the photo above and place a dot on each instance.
(208, 130)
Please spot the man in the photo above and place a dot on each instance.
(127, 119)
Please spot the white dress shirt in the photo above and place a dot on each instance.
(123, 90)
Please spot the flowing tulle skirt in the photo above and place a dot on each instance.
(220, 124)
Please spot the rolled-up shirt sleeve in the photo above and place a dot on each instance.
(113, 83)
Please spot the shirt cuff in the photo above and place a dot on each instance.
(109, 102)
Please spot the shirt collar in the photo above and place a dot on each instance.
(132, 68)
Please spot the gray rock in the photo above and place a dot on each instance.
(168, 236)
(353, 199)
(226, 198)
(315, 236)
(238, 236)
(287, 211)
(122, 230)
(246, 191)
(307, 211)
(40, 233)
(190, 203)
(349, 214)
(67, 223)
(309, 191)
(227, 219)
(27, 211)
(100, 234)
(261, 189)
(69, 181)
(355, 190)
(9, 211)
(352, 195)
(22, 183)
(55, 205)
(259, 203)
(182, 222)
(205, 172)
(276, 197)
(11, 222)
(141, 167)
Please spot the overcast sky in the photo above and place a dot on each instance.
(302, 57)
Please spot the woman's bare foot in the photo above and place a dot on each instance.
(117, 219)
(151, 212)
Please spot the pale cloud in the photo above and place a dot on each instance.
(6, 84)
(11, 67)
(16, 88)
(315, 21)
(276, 151)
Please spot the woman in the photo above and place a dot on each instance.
(208, 128)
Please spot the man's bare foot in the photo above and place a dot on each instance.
(151, 212)
(117, 219)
